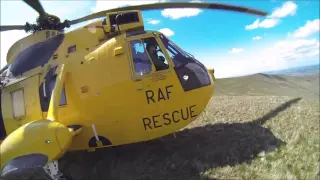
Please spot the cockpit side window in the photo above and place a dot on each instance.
(156, 54)
(141, 62)
(146, 52)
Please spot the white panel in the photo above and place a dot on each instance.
(18, 103)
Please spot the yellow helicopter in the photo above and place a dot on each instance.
(105, 84)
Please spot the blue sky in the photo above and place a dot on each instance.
(234, 44)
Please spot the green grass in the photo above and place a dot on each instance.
(264, 136)
(296, 127)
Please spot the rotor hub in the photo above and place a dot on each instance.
(48, 22)
(48, 19)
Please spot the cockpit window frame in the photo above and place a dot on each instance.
(140, 37)
(179, 51)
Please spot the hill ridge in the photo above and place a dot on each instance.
(306, 86)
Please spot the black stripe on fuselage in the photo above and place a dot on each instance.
(93, 142)
(50, 80)
(3, 132)
(36, 55)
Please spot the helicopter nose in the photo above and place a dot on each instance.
(211, 72)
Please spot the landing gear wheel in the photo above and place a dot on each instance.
(49, 172)
(52, 170)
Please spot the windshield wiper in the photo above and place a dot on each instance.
(189, 54)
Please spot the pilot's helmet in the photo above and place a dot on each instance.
(150, 44)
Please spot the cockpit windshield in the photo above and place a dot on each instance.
(191, 73)
(178, 56)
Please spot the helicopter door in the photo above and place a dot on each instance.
(156, 84)
(148, 71)
(46, 88)
(20, 103)
(146, 58)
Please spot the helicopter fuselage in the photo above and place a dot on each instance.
(116, 97)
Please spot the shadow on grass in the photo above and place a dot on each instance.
(192, 151)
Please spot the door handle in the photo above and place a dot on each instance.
(139, 87)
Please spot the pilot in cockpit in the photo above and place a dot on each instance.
(158, 61)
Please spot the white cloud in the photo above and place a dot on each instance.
(64, 11)
(308, 29)
(279, 55)
(293, 49)
(287, 8)
(254, 25)
(257, 38)
(236, 50)
(267, 23)
(180, 13)
(177, 13)
(166, 31)
(153, 21)
(8, 38)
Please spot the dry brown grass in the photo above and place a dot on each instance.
(237, 137)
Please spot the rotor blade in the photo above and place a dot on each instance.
(172, 5)
(36, 5)
(12, 27)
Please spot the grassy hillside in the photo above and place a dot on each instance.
(256, 127)
(263, 84)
